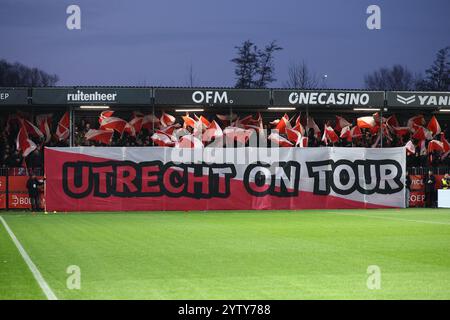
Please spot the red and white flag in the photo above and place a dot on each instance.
(213, 132)
(415, 122)
(446, 146)
(167, 119)
(32, 130)
(114, 123)
(62, 130)
(134, 126)
(341, 123)
(298, 126)
(188, 121)
(434, 126)
(423, 149)
(346, 133)
(422, 133)
(279, 140)
(392, 121)
(329, 135)
(162, 140)
(435, 145)
(355, 132)
(105, 114)
(294, 136)
(102, 136)
(445, 143)
(43, 123)
(366, 122)
(23, 143)
(311, 124)
(410, 147)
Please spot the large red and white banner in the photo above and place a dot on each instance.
(159, 178)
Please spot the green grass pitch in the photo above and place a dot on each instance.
(230, 255)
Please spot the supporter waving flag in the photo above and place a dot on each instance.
(167, 119)
(341, 123)
(32, 130)
(279, 140)
(114, 123)
(43, 123)
(434, 126)
(62, 130)
(23, 143)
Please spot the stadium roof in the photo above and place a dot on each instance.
(220, 97)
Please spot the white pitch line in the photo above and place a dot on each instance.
(389, 218)
(34, 270)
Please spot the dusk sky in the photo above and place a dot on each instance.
(155, 42)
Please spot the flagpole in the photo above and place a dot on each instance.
(71, 119)
(381, 127)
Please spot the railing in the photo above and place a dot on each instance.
(20, 171)
(424, 170)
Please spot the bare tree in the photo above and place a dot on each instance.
(438, 75)
(300, 77)
(17, 75)
(396, 78)
(246, 64)
(266, 67)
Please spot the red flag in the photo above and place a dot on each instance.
(279, 140)
(23, 143)
(415, 122)
(422, 134)
(103, 136)
(113, 123)
(355, 132)
(105, 114)
(341, 123)
(43, 122)
(167, 119)
(392, 121)
(434, 126)
(366, 122)
(62, 131)
(435, 145)
(294, 136)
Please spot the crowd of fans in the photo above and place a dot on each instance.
(12, 157)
